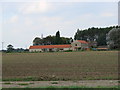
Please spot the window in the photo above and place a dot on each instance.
(75, 44)
(61, 49)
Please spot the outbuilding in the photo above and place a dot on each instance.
(79, 44)
(49, 48)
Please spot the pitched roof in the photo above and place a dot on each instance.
(82, 41)
(50, 46)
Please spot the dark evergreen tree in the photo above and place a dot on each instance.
(57, 38)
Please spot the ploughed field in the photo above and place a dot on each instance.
(86, 65)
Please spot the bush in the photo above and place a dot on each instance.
(68, 51)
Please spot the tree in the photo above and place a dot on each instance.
(113, 38)
(77, 34)
(57, 38)
(37, 41)
(101, 39)
(65, 40)
(10, 48)
(91, 34)
(49, 40)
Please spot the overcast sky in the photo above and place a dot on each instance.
(21, 22)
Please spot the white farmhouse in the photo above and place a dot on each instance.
(79, 44)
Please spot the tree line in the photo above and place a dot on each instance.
(91, 34)
(10, 48)
(94, 34)
(52, 40)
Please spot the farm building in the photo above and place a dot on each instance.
(79, 44)
(49, 48)
(102, 48)
(75, 45)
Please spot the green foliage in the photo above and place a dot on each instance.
(52, 40)
(66, 88)
(10, 48)
(113, 38)
(91, 34)
(37, 41)
(49, 40)
(68, 51)
(57, 38)
(65, 40)
(7, 83)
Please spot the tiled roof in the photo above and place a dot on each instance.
(82, 41)
(50, 46)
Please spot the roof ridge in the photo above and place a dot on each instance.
(51, 46)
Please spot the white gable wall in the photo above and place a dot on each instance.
(35, 50)
(47, 49)
(76, 44)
